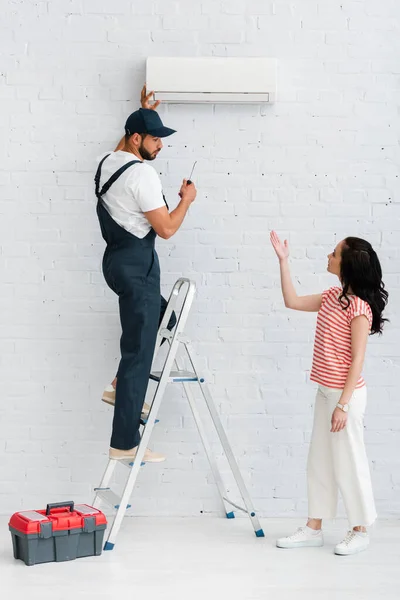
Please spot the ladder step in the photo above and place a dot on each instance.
(110, 497)
(175, 376)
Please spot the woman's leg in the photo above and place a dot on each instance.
(322, 489)
(315, 524)
(321, 482)
(351, 464)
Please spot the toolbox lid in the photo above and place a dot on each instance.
(61, 516)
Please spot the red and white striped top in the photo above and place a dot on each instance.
(332, 346)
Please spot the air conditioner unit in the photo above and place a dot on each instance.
(211, 79)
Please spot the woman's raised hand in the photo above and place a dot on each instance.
(281, 249)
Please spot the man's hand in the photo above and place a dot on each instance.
(166, 224)
(339, 420)
(188, 191)
(145, 99)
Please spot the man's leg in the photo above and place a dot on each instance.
(139, 311)
(172, 319)
(109, 392)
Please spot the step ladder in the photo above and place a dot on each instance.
(173, 372)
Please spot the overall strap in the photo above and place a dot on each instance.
(113, 178)
(98, 174)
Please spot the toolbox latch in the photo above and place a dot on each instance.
(89, 524)
(46, 530)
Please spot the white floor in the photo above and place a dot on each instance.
(211, 559)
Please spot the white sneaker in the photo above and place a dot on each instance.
(354, 542)
(149, 456)
(304, 537)
(109, 398)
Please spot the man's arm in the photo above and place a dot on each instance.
(165, 224)
(145, 101)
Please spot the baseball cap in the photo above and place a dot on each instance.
(148, 121)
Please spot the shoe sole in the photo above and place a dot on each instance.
(111, 403)
(308, 544)
(108, 401)
(344, 553)
(132, 458)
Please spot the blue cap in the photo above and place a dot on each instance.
(148, 121)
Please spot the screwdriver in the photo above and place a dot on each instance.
(189, 181)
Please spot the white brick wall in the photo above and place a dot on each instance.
(320, 164)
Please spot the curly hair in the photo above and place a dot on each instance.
(361, 272)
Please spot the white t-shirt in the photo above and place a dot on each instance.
(135, 192)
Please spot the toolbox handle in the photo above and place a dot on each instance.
(67, 504)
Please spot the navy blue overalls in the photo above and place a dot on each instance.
(131, 269)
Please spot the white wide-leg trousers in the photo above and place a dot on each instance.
(337, 462)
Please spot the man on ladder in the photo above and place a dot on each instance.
(132, 211)
(182, 294)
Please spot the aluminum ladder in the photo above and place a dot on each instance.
(173, 372)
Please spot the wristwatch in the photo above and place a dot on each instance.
(343, 407)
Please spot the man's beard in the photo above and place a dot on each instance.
(145, 154)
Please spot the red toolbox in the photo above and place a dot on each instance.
(61, 532)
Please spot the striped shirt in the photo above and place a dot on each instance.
(332, 346)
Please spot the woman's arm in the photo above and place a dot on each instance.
(310, 303)
(359, 338)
